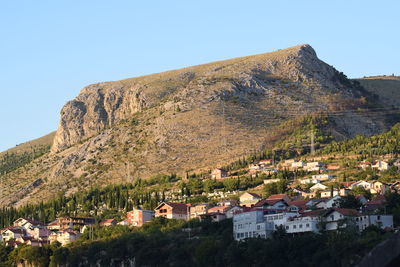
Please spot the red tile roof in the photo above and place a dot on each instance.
(181, 207)
(314, 213)
(221, 209)
(277, 196)
(269, 202)
(299, 203)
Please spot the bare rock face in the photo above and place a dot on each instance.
(97, 107)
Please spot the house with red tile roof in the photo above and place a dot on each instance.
(229, 211)
(171, 210)
(65, 236)
(12, 232)
(340, 218)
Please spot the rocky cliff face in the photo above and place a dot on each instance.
(190, 119)
(97, 107)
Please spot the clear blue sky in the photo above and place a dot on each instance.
(50, 49)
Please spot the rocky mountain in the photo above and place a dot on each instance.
(191, 119)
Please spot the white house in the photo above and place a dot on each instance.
(257, 224)
(309, 181)
(340, 218)
(251, 224)
(378, 187)
(322, 177)
(271, 181)
(280, 219)
(328, 203)
(171, 210)
(364, 184)
(27, 223)
(249, 199)
(302, 224)
(12, 233)
(381, 165)
(318, 187)
(334, 192)
(297, 164)
(381, 221)
(313, 166)
(64, 236)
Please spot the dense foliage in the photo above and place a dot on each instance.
(296, 143)
(12, 161)
(386, 143)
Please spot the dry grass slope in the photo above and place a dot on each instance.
(387, 87)
(27, 146)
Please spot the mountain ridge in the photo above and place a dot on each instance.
(191, 119)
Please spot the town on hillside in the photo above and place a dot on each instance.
(315, 200)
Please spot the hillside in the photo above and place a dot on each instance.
(193, 119)
(24, 153)
(387, 87)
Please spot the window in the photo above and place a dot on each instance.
(300, 226)
(307, 225)
(379, 217)
(238, 235)
(287, 227)
(294, 226)
(258, 227)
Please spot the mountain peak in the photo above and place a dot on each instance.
(302, 50)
